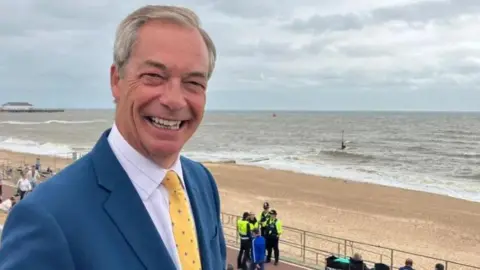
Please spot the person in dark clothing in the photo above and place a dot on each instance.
(356, 263)
(439, 266)
(408, 265)
(258, 250)
(273, 232)
(243, 229)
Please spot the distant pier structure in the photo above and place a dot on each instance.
(25, 107)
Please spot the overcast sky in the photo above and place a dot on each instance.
(272, 54)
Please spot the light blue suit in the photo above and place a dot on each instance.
(90, 217)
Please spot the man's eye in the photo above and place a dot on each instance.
(152, 75)
(195, 83)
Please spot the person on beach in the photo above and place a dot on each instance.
(273, 232)
(33, 176)
(133, 202)
(23, 185)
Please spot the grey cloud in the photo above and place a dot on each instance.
(419, 12)
(367, 51)
(254, 9)
(319, 24)
(427, 10)
(59, 53)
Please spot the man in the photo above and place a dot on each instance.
(258, 250)
(273, 231)
(408, 265)
(33, 176)
(244, 232)
(133, 203)
(264, 216)
(23, 185)
(356, 262)
(253, 221)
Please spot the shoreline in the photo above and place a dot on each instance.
(398, 185)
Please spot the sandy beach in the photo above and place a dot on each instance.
(418, 222)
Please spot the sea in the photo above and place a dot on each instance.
(436, 152)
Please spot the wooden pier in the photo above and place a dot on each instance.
(31, 110)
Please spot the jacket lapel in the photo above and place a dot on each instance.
(191, 180)
(126, 209)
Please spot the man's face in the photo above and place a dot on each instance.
(161, 96)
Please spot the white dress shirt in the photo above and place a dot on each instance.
(147, 177)
(24, 184)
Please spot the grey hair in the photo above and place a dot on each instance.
(126, 34)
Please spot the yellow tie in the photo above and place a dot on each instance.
(182, 224)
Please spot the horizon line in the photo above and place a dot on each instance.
(297, 110)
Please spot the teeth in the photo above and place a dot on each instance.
(164, 123)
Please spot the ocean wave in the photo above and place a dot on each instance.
(466, 155)
(36, 148)
(64, 122)
(347, 155)
(301, 163)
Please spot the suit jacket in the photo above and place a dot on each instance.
(90, 217)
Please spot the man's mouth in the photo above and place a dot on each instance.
(164, 123)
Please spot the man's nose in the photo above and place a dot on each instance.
(173, 96)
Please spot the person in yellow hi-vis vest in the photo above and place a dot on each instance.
(273, 232)
(243, 229)
(254, 224)
(263, 218)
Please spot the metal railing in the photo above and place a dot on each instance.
(310, 249)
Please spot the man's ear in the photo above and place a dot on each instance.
(114, 81)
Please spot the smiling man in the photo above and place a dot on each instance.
(133, 202)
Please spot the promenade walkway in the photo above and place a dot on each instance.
(232, 258)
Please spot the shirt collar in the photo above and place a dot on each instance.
(143, 172)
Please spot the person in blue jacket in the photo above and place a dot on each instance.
(258, 250)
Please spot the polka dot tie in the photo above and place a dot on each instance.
(182, 224)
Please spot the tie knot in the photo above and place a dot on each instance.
(171, 181)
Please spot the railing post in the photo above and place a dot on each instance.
(345, 248)
(338, 250)
(391, 259)
(446, 265)
(304, 245)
